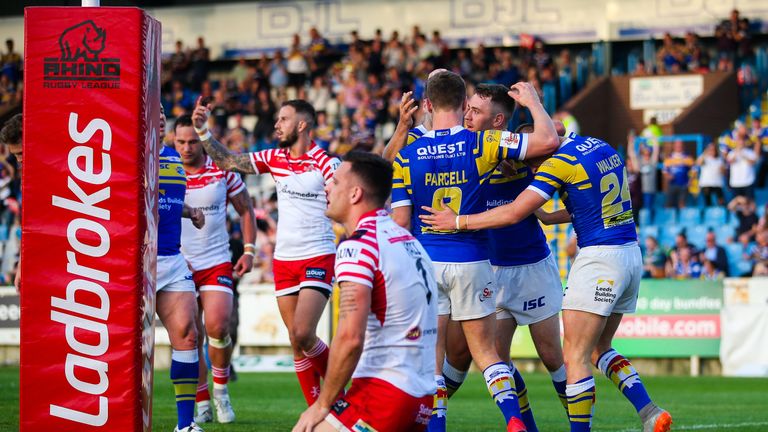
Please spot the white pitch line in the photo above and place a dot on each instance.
(727, 426)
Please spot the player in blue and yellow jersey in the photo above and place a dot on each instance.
(529, 288)
(449, 166)
(605, 277)
(176, 300)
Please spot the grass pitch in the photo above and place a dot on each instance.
(273, 402)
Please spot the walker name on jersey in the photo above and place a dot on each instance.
(442, 151)
(451, 178)
(292, 194)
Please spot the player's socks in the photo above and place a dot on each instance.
(309, 380)
(318, 356)
(220, 380)
(581, 403)
(453, 377)
(203, 398)
(500, 384)
(526, 413)
(558, 381)
(619, 370)
(184, 372)
(437, 423)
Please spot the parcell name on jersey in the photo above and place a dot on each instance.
(608, 164)
(451, 178)
(441, 151)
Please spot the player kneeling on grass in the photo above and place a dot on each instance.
(387, 327)
(605, 277)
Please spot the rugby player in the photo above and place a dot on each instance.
(528, 281)
(305, 250)
(448, 166)
(176, 305)
(207, 252)
(387, 313)
(605, 277)
(10, 137)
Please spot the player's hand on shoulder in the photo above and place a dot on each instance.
(525, 94)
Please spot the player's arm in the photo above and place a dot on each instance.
(557, 217)
(543, 140)
(399, 139)
(345, 352)
(522, 207)
(402, 206)
(225, 159)
(195, 214)
(242, 204)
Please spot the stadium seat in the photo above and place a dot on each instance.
(696, 234)
(648, 230)
(761, 197)
(665, 217)
(644, 217)
(724, 233)
(690, 216)
(715, 216)
(667, 235)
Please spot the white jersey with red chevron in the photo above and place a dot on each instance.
(209, 190)
(303, 229)
(402, 325)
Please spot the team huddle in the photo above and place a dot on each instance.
(442, 279)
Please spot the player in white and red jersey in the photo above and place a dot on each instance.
(304, 252)
(207, 252)
(387, 329)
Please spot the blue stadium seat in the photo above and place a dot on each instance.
(644, 217)
(696, 235)
(761, 197)
(723, 233)
(665, 216)
(667, 235)
(735, 257)
(715, 216)
(648, 230)
(690, 216)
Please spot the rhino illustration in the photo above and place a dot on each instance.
(84, 40)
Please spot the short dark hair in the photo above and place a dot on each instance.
(375, 173)
(183, 121)
(499, 96)
(304, 108)
(11, 131)
(446, 90)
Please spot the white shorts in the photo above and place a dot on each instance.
(465, 290)
(529, 293)
(605, 280)
(173, 274)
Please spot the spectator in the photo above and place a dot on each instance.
(240, 72)
(647, 165)
(652, 132)
(319, 94)
(200, 59)
(323, 131)
(711, 176)
(684, 265)
(744, 210)
(759, 255)
(677, 168)
(742, 161)
(714, 253)
(179, 64)
(278, 75)
(296, 65)
(11, 63)
(710, 272)
(669, 58)
(265, 110)
(653, 259)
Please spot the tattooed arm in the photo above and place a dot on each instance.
(346, 349)
(224, 158)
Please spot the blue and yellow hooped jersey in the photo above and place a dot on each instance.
(415, 134)
(173, 186)
(524, 242)
(450, 167)
(593, 184)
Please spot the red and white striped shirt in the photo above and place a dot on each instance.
(303, 229)
(402, 325)
(209, 190)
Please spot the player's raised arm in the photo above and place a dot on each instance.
(225, 159)
(543, 140)
(408, 107)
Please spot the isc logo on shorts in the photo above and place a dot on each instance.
(315, 273)
(224, 280)
(485, 294)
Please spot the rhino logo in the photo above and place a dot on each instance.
(83, 41)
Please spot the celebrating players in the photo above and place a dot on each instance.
(448, 166)
(176, 305)
(207, 252)
(605, 277)
(387, 313)
(305, 250)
